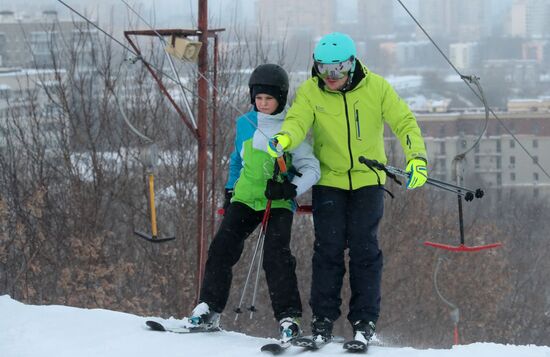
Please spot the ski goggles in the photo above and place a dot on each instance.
(334, 71)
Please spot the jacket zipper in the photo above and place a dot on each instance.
(349, 140)
(357, 125)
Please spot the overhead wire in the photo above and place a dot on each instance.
(480, 95)
(137, 57)
(212, 85)
(172, 66)
(140, 58)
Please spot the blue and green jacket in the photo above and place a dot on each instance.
(251, 166)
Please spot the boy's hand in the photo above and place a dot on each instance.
(280, 190)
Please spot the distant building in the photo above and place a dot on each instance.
(498, 161)
(529, 105)
(15, 88)
(535, 50)
(35, 43)
(464, 55)
(416, 54)
(283, 18)
(529, 18)
(521, 75)
(375, 17)
(421, 104)
(459, 20)
(405, 85)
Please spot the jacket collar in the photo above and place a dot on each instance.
(276, 117)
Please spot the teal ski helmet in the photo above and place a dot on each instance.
(335, 47)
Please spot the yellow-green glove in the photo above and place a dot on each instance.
(277, 144)
(418, 173)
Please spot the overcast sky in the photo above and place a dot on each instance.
(169, 12)
(172, 11)
(183, 13)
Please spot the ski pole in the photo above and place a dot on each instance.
(392, 172)
(252, 307)
(279, 167)
(259, 247)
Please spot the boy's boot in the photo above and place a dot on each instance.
(203, 317)
(289, 328)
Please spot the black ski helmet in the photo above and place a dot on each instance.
(271, 79)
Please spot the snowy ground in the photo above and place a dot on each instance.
(60, 331)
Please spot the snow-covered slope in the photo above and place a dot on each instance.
(60, 331)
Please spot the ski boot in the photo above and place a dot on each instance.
(362, 335)
(321, 329)
(289, 328)
(363, 331)
(202, 317)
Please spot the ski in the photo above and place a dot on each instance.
(308, 343)
(156, 326)
(275, 348)
(356, 346)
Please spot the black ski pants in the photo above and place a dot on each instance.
(278, 263)
(347, 219)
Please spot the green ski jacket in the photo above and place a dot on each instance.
(347, 125)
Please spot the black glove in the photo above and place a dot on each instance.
(228, 195)
(280, 190)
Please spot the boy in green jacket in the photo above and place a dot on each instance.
(249, 187)
(345, 106)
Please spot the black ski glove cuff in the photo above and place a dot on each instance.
(228, 195)
(280, 190)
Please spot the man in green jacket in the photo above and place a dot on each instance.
(346, 106)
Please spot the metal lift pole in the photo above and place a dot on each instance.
(202, 141)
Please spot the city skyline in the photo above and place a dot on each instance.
(492, 15)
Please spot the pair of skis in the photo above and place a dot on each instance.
(309, 344)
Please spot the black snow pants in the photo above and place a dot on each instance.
(347, 219)
(278, 263)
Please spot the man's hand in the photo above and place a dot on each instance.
(280, 190)
(277, 144)
(418, 173)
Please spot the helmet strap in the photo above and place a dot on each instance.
(350, 77)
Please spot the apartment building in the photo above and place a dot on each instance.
(280, 19)
(17, 113)
(499, 161)
(39, 42)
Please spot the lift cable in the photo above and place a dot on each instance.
(140, 58)
(478, 95)
(197, 72)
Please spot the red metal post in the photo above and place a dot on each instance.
(213, 136)
(202, 141)
(455, 336)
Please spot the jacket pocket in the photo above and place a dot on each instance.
(357, 120)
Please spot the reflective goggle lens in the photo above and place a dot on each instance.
(333, 70)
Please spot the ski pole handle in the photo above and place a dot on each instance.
(281, 164)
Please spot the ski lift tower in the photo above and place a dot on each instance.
(200, 130)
